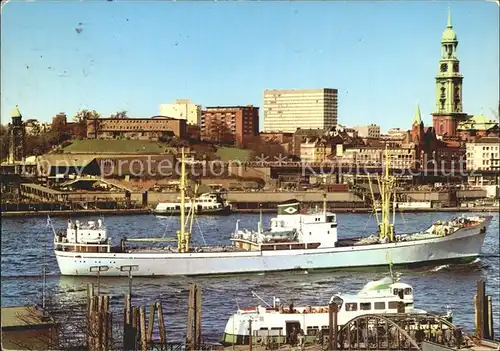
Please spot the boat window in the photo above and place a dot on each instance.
(393, 305)
(262, 328)
(332, 225)
(312, 330)
(323, 327)
(408, 304)
(365, 306)
(397, 291)
(277, 328)
(407, 291)
(379, 305)
(330, 218)
(338, 301)
(351, 306)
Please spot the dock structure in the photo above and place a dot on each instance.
(395, 331)
(28, 328)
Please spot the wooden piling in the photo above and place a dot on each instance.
(109, 319)
(198, 317)
(90, 293)
(332, 326)
(479, 308)
(190, 319)
(161, 325)
(135, 327)
(127, 323)
(491, 328)
(151, 322)
(98, 330)
(142, 323)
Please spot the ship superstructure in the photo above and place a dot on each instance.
(206, 203)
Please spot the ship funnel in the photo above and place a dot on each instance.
(291, 208)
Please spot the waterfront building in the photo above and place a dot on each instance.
(403, 157)
(182, 109)
(315, 151)
(370, 131)
(484, 155)
(287, 110)
(230, 124)
(153, 128)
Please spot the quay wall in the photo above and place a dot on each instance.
(259, 196)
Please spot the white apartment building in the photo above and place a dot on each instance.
(287, 110)
(371, 131)
(483, 155)
(182, 109)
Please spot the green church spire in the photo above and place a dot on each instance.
(417, 118)
(16, 112)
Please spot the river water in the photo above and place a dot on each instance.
(25, 240)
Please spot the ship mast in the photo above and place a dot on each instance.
(182, 235)
(386, 228)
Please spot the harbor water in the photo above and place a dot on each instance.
(27, 244)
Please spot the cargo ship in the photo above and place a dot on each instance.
(296, 240)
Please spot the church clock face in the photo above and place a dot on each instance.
(444, 67)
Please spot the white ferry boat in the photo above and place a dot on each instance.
(384, 296)
(207, 203)
(295, 241)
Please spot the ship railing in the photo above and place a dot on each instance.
(59, 245)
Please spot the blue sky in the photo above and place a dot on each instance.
(382, 56)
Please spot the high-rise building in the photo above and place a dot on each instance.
(449, 109)
(182, 109)
(230, 123)
(287, 110)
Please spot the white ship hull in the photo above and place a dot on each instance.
(463, 245)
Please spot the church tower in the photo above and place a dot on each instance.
(16, 137)
(448, 111)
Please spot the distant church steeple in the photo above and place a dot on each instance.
(448, 110)
(417, 127)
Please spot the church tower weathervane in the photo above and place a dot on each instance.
(448, 111)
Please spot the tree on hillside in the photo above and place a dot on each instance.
(4, 142)
(59, 131)
(120, 114)
(270, 149)
(219, 131)
(84, 115)
(81, 119)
